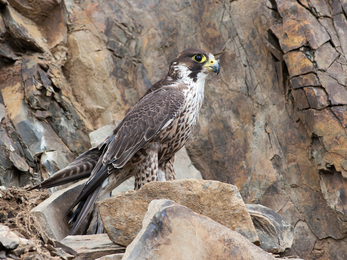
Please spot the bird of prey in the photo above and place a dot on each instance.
(145, 141)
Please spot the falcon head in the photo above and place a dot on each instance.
(193, 65)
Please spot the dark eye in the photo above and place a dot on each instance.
(199, 58)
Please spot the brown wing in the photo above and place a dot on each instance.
(142, 124)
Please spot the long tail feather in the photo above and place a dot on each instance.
(84, 209)
(79, 169)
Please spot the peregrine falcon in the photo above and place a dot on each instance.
(145, 141)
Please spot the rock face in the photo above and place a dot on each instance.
(122, 215)
(273, 123)
(274, 233)
(172, 231)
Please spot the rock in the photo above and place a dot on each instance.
(173, 231)
(317, 97)
(91, 246)
(50, 214)
(53, 161)
(99, 135)
(306, 80)
(328, 248)
(9, 240)
(184, 167)
(341, 113)
(274, 233)
(325, 56)
(111, 257)
(122, 214)
(336, 92)
(301, 98)
(253, 131)
(24, 32)
(303, 247)
(298, 63)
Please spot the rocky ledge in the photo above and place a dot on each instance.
(182, 219)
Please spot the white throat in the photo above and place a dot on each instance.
(199, 85)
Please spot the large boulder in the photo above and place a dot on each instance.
(122, 215)
(173, 231)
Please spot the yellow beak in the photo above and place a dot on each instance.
(212, 65)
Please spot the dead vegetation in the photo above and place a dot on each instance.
(15, 206)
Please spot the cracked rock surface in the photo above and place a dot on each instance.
(273, 122)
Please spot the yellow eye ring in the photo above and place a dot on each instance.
(199, 58)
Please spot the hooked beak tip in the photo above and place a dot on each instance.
(215, 68)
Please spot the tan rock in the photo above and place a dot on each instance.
(307, 80)
(172, 231)
(341, 113)
(300, 98)
(298, 63)
(307, 26)
(122, 215)
(25, 33)
(317, 97)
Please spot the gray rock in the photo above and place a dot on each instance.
(2, 112)
(172, 231)
(183, 166)
(12, 241)
(91, 246)
(8, 239)
(50, 214)
(51, 162)
(274, 232)
(19, 162)
(99, 135)
(111, 257)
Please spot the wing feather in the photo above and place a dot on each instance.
(148, 117)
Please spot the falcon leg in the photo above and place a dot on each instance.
(168, 169)
(147, 170)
